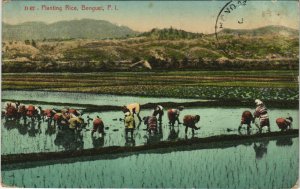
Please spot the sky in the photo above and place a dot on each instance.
(193, 16)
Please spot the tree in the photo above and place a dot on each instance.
(200, 63)
(155, 63)
(27, 42)
(184, 62)
(33, 43)
(174, 62)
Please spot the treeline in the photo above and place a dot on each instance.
(227, 64)
(170, 33)
(156, 64)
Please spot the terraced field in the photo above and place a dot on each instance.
(267, 85)
(219, 97)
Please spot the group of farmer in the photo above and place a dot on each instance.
(261, 113)
(71, 119)
(152, 121)
(190, 121)
(16, 110)
(65, 118)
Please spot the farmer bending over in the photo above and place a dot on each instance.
(189, 121)
(173, 115)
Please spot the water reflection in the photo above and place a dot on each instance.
(248, 143)
(23, 129)
(50, 130)
(260, 149)
(244, 131)
(34, 128)
(69, 140)
(284, 141)
(173, 134)
(231, 167)
(98, 141)
(154, 137)
(15, 124)
(11, 124)
(129, 141)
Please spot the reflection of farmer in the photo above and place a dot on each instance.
(98, 142)
(173, 115)
(173, 134)
(261, 112)
(260, 149)
(129, 142)
(69, 140)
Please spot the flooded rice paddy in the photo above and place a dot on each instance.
(85, 98)
(261, 164)
(18, 137)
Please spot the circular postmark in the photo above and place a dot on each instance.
(229, 8)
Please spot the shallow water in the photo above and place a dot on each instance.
(271, 164)
(32, 137)
(85, 98)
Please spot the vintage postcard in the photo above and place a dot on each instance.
(150, 94)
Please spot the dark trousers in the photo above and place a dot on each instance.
(129, 130)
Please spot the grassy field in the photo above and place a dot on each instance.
(272, 85)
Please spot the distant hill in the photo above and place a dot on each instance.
(272, 47)
(267, 30)
(170, 33)
(73, 29)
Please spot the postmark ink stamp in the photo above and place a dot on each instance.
(228, 9)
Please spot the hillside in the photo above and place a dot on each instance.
(165, 49)
(267, 30)
(73, 29)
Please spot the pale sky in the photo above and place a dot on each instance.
(193, 16)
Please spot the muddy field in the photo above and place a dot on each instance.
(261, 164)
